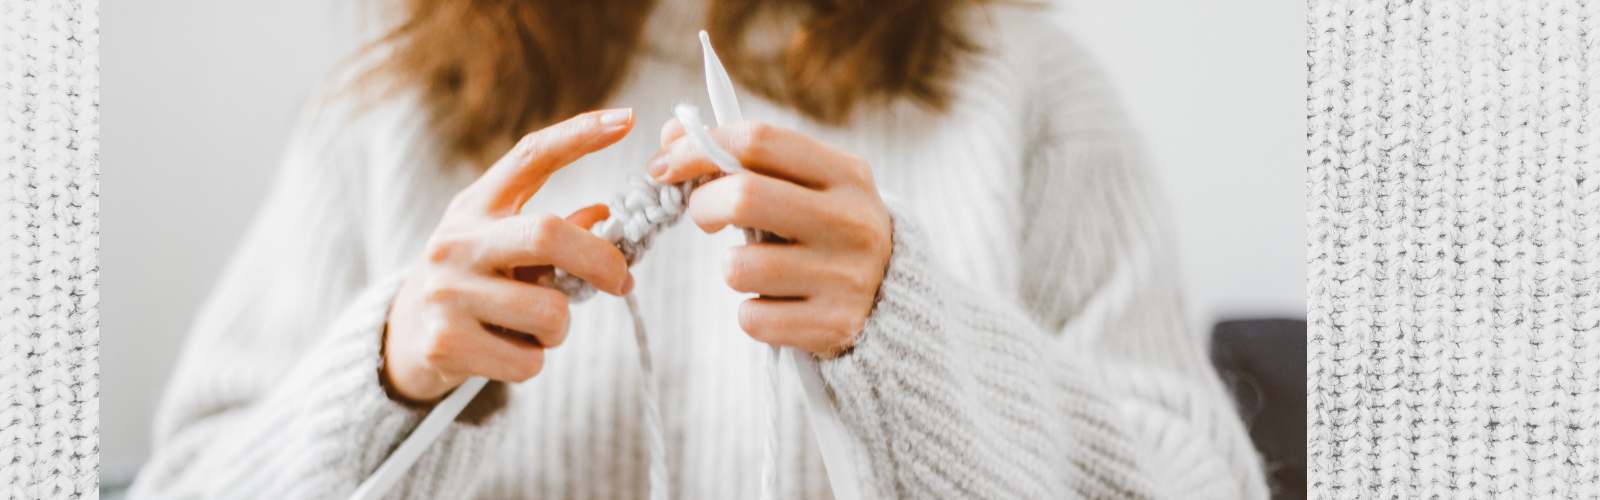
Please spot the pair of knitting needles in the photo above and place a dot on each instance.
(832, 437)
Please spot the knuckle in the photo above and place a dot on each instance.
(745, 196)
(752, 142)
(848, 328)
(558, 302)
(751, 322)
(855, 169)
(541, 232)
(871, 240)
(759, 132)
(862, 170)
(741, 270)
(440, 351)
(439, 292)
(841, 326)
(557, 319)
(531, 365)
(848, 231)
(860, 282)
(528, 147)
(547, 223)
(535, 363)
(851, 227)
(860, 232)
(443, 249)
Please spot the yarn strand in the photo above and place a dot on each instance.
(660, 484)
(769, 449)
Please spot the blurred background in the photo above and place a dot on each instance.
(198, 97)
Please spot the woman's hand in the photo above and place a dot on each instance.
(469, 308)
(817, 288)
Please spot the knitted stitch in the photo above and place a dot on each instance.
(1454, 249)
(637, 215)
(49, 247)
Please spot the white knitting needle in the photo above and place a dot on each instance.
(411, 449)
(833, 439)
(720, 88)
(689, 116)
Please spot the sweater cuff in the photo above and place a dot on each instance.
(348, 412)
(906, 309)
(900, 354)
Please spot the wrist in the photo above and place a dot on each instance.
(400, 385)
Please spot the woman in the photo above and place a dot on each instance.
(976, 255)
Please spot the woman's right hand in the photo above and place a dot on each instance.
(469, 308)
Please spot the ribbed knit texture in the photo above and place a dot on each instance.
(49, 249)
(1028, 342)
(1454, 249)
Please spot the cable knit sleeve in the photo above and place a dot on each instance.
(1085, 381)
(277, 393)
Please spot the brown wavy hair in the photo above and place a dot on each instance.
(488, 71)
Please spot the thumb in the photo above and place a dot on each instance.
(586, 217)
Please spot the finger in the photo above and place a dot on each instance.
(671, 131)
(803, 324)
(472, 349)
(767, 149)
(756, 201)
(586, 217)
(523, 170)
(780, 270)
(533, 310)
(521, 241)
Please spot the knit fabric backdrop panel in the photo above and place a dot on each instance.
(1453, 196)
(49, 243)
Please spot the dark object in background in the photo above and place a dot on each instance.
(1263, 362)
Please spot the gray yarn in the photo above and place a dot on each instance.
(637, 214)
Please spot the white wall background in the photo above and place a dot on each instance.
(198, 97)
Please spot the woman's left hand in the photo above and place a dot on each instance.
(817, 287)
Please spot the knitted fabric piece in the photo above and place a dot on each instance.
(49, 238)
(1454, 249)
(637, 214)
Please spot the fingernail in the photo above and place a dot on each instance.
(658, 166)
(627, 286)
(616, 117)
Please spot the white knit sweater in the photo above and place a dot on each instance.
(1028, 342)
(49, 249)
(1453, 282)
